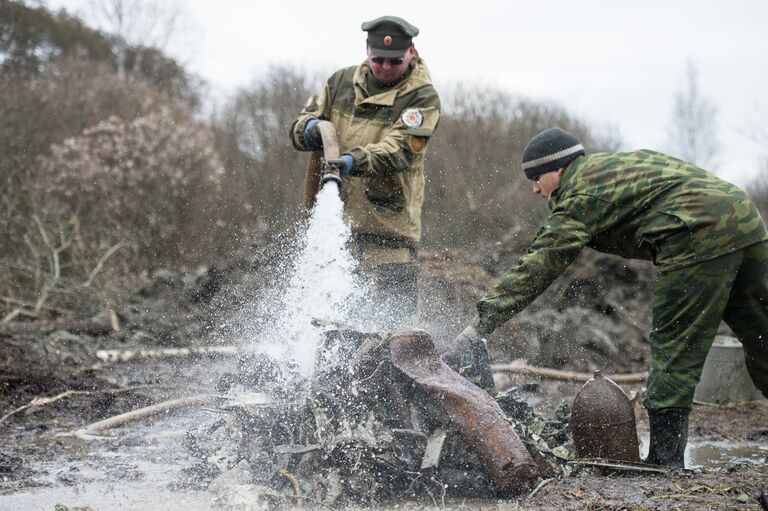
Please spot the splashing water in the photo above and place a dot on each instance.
(323, 282)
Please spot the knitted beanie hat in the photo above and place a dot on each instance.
(550, 150)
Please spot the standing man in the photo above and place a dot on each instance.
(384, 111)
(704, 234)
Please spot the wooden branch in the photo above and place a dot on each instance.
(519, 367)
(100, 264)
(55, 263)
(38, 401)
(621, 465)
(296, 485)
(16, 301)
(13, 314)
(88, 432)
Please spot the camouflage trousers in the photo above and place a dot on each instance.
(689, 304)
(392, 274)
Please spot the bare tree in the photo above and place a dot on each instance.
(138, 23)
(693, 127)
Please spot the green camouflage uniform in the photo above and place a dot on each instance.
(386, 130)
(704, 234)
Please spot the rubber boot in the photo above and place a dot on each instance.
(669, 435)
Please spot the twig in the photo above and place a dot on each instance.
(15, 301)
(541, 485)
(295, 483)
(38, 401)
(18, 311)
(632, 467)
(519, 367)
(87, 433)
(55, 264)
(100, 264)
(374, 373)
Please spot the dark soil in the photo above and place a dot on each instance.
(593, 318)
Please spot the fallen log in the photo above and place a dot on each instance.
(520, 367)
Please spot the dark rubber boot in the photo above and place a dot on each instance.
(669, 435)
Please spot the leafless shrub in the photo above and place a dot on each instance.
(139, 193)
(477, 195)
(142, 181)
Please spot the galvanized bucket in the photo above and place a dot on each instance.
(724, 378)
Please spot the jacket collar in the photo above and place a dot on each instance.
(565, 182)
(418, 78)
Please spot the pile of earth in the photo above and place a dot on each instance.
(594, 317)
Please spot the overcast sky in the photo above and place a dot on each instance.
(612, 63)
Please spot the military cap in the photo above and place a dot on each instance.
(389, 36)
(550, 150)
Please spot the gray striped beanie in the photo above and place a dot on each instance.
(550, 150)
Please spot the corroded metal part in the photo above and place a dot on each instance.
(475, 413)
(603, 422)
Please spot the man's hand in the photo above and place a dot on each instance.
(471, 359)
(312, 136)
(344, 163)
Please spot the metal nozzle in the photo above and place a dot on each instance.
(329, 173)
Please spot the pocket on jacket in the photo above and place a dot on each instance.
(385, 194)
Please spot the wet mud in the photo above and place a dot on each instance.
(52, 385)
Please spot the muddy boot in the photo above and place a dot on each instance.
(669, 435)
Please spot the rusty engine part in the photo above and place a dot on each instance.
(476, 414)
(603, 422)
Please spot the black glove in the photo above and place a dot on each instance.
(474, 363)
(312, 137)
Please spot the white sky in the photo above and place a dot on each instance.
(614, 63)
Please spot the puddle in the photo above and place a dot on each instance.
(719, 454)
(148, 494)
(134, 472)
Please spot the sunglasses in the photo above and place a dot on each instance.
(392, 62)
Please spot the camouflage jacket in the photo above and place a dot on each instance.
(386, 134)
(641, 205)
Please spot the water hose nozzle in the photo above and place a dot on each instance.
(329, 173)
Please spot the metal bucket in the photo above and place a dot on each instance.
(724, 378)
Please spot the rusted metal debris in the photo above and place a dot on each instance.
(475, 413)
(364, 430)
(603, 422)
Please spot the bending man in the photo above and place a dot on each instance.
(705, 236)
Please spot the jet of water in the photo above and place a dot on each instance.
(323, 281)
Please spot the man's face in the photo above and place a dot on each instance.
(545, 183)
(388, 70)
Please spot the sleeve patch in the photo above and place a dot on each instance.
(412, 118)
(418, 144)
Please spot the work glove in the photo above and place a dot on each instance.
(344, 163)
(312, 137)
(472, 360)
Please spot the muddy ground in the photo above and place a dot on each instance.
(594, 318)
